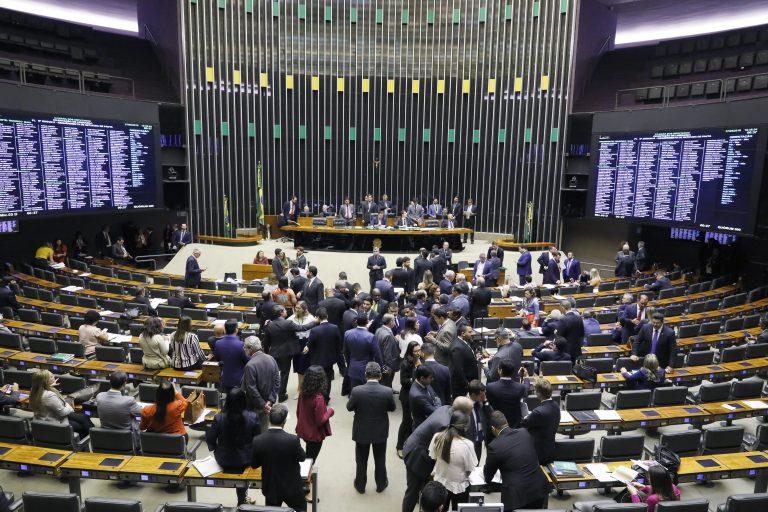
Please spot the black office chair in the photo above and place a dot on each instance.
(13, 430)
(709, 392)
(69, 300)
(11, 340)
(666, 294)
(745, 503)
(699, 505)
(530, 342)
(110, 440)
(734, 324)
(608, 506)
(185, 506)
(56, 435)
(486, 323)
(47, 502)
(41, 345)
(97, 286)
(52, 319)
(731, 354)
(162, 280)
(585, 302)
(87, 302)
(69, 384)
(227, 287)
(604, 317)
(556, 368)
(669, 395)
(21, 377)
(226, 315)
(112, 505)
(168, 311)
(135, 355)
(751, 321)
(110, 326)
(110, 354)
(575, 450)
(254, 288)
(71, 347)
(29, 315)
(628, 363)
(159, 294)
(686, 443)
(148, 392)
(600, 339)
(141, 278)
(118, 306)
(755, 350)
(75, 322)
(196, 314)
(583, 401)
(700, 357)
(602, 364)
(709, 328)
(757, 441)
(697, 307)
(674, 310)
(632, 399)
(135, 328)
(116, 289)
(606, 287)
(747, 388)
(248, 302)
(124, 274)
(141, 308)
(624, 447)
(688, 331)
(154, 444)
(735, 300)
(722, 440)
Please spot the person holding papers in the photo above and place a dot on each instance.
(166, 415)
(661, 488)
(230, 437)
(90, 335)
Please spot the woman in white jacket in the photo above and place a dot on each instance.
(49, 405)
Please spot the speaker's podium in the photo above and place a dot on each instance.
(252, 271)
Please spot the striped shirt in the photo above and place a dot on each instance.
(186, 353)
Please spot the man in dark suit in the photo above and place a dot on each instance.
(422, 397)
(180, 300)
(523, 265)
(297, 281)
(181, 237)
(506, 394)
(192, 271)
(278, 268)
(631, 316)
(386, 206)
(662, 282)
(446, 284)
(418, 464)
(571, 268)
(384, 285)
(499, 252)
(542, 423)
(376, 265)
(370, 208)
(455, 208)
(571, 327)
(103, 241)
(441, 374)
(463, 363)
(301, 259)
(479, 428)
(552, 350)
(291, 209)
(421, 264)
(404, 277)
(280, 342)
(439, 266)
(641, 257)
(508, 350)
(491, 269)
(552, 274)
(371, 404)
(763, 336)
(349, 318)
(8, 297)
(324, 346)
(334, 306)
(479, 300)
(279, 453)
(544, 259)
(313, 291)
(656, 338)
(266, 308)
(360, 348)
(625, 262)
(468, 218)
(513, 454)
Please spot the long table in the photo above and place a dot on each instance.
(363, 237)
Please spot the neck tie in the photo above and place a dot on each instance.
(291, 212)
(654, 341)
(639, 313)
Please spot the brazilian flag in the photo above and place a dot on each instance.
(260, 188)
(227, 223)
(528, 231)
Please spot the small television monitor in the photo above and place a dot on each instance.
(9, 226)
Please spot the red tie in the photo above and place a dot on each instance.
(291, 209)
(639, 312)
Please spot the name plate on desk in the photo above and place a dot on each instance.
(339, 222)
(319, 221)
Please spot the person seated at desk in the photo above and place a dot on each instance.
(140, 297)
(185, 347)
(649, 376)
(180, 300)
(662, 282)
(551, 324)
(166, 415)
(154, 344)
(763, 336)
(230, 438)
(378, 220)
(8, 297)
(404, 221)
(118, 410)
(260, 259)
(79, 245)
(661, 488)
(89, 335)
(59, 251)
(306, 212)
(591, 325)
(49, 405)
(44, 255)
(9, 395)
(552, 350)
(328, 210)
(118, 250)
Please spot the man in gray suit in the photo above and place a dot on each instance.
(390, 349)
(418, 464)
(261, 380)
(119, 411)
(509, 349)
(444, 337)
(371, 404)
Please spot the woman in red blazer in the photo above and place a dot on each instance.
(313, 416)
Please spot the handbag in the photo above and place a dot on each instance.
(195, 407)
(585, 372)
(668, 459)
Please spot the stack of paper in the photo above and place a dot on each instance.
(72, 289)
(207, 466)
(57, 265)
(106, 312)
(601, 472)
(156, 302)
(607, 415)
(212, 305)
(755, 404)
(565, 417)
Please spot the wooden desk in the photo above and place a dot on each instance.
(251, 271)
(6, 449)
(34, 459)
(363, 237)
(748, 465)
(31, 329)
(92, 367)
(157, 470)
(193, 377)
(97, 466)
(24, 360)
(222, 240)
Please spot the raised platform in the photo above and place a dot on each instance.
(222, 240)
(362, 238)
(513, 245)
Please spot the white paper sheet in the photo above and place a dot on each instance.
(606, 415)
(305, 467)
(755, 404)
(562, 378)
(106, 312)
(600, 472)
(85, 274)
(156, 302)
(57, 265)
(72, 289)
(624, 474)
(729, 407)
(120, 338)
(202, 416)
(207, 466)
(565, 417)
(476, 477)
(212, 305)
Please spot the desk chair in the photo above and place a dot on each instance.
(110, 326)
(46, 502)
(757, 441)
(11, 340)
(159, 294)
(207, 285)
(685, 443)
(46, 295)
(29, 292)
(111, 440)
(531, 342)
(700, 357)
(568, 290)
(708, 328)
(599, 339)
(142, 308)
(135, 355)
(142, 278)
(583, 401)
(585, 302)
(117, 289)
(605, 317)
(55, 435)
(617, 448)
(77, 281)
(606, 287)
(688, 331)
(154, 444)
(117, 306)
(87, 302)
(734, 324)
(747, 388)
(21, 377)
(731, 354)
(110, 505)
(602, 302)
(755, 350)
(575, 450)
(608, 506)
(227, 287)
(666, 294)
(69, 384)
(148, 392)
(722, 440)
(162, 280)
(168, 311)
(97, 286)
(751, 321)
(124, 274)
(622, 285)
(71, 347)
(41, 345)
(669, 395)
(248, 302)
(700, 505)
(13, 430)
(110, 354)
(69, 300)
(178, 281)
(226, 315)
(628, 363)
(601, 364)
(254, 288)
(735, 300)
(745, 503)
(632, 399)
(709, 392)
(556, 368)
(674, 310)
(185, 506)
(75, 322)
(29, 315)
(486, 323)
(196, 314)
(697, 307)
(135, 328)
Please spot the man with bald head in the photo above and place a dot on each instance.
(418, 464)
(192, 271)
(625, 261)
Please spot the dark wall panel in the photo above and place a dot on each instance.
(500, 141)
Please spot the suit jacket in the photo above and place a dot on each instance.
(390, 348)
(324, 344)
(660, 284)
(524, 264)
(625, 264)
(313, 293)
(118, 411)
(491, 271)
(421, 265)
(415, 213)
(443, 341)
(441, 382)
(434, 211)
(499, 253)
(416, 447)
(301, 261)
(379, 260)
(386, 207)
(571, 327)
(280, 337)
(543, 261)
(641, 260)
(287, 211)
(463, 367)
(666, 346)
(439, 266)
(572, 270)
(347, 211)
(762, 337)
(277, 268)
(513, 454)
(335, 308)
(512, 351)
(360, 348)
(541, 353)
(481, 415)
(542, 423)
(505, 395)
(445, 286)
(479, 300)
(181, 302)
(279, 453)
(8, 298)
(552, 273)
(423, 401)
(469, 222)
(369, 209)
(404, 223)
(625, 316)
(261, 381)
(103, 242)
(455, 210)
(181, 237)
(371, 404)
(229, 351)
(403, 278)
(297, 284)
(386, 288)
(192, 273)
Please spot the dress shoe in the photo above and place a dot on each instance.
(360, 489)
(381, 488)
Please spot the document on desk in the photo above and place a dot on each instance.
(755, 404)
(565, 417)
(57, 265)
(212, 305)
(476, 477)
(72, 289)
(601, 472)
(106, 312)
(202, 416)
(607, 415)
(305, 467)
(207, 466)
(156, 302)
(624, 474)
(120, 338)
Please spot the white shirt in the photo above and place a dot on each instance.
(454, 475)
(406, 340)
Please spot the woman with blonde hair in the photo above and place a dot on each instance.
(455, 458)
(594, 278)
(649, 376)
(49, 405)
(426, 281)
(301, 316)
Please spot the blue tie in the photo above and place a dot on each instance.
(654, 341)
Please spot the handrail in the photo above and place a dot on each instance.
(151, 258)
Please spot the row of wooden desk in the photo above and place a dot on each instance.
(76, 466)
